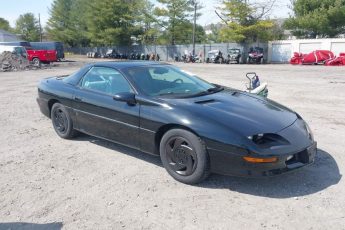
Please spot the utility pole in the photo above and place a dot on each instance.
(155, 43)
(39, 22)
(194, 25)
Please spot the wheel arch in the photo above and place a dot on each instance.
(51, 102)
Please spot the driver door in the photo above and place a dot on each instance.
(99, 114)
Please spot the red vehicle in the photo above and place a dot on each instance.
(58, 46)
(337, 61)
(324, 57)
(255, 55)
(41, 56)
(35, 56)
(313, 58)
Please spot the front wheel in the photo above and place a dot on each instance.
(62, 121)
(184, 156)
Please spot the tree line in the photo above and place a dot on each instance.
(80, 23)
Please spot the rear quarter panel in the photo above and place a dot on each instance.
(53, 90)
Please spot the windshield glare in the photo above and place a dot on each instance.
(234, 51)
(167, 81)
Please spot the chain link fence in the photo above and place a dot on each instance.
(171, 52)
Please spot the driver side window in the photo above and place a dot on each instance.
(105, 80)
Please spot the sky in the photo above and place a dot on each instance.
(11, 9)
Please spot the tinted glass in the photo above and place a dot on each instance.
(20, 51)
(105, 80)
(166, 80)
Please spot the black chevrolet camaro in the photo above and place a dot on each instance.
(196, 127)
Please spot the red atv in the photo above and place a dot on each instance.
(255, 55)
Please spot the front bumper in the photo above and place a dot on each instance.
(234, 164)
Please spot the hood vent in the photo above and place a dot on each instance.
(205, 101)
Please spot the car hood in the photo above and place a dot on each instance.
(239, 111)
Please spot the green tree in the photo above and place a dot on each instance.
(213, 35)
(77, 29)
(28, 28)
(246, 22)
(4, 24)
(113, 22)
(59, 21)
(148, 23)
(174, 17)
(313, 18)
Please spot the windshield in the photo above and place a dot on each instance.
(168, 81)
(234, 51)
(20, 51)
(256, 49)
(212, 53)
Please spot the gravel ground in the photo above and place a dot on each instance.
(50, 183)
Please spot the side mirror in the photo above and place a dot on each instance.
(125, 97)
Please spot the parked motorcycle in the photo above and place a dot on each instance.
(254, 86)
(111, 53)
(190, 58)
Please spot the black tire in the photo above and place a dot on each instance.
(36, 62)
(184, 156)
(62, 121)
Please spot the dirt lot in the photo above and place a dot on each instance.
(50, 183)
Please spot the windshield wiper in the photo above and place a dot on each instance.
(202, 93)
(208, 91)
(215, 89)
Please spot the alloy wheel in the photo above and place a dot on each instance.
(181, 156)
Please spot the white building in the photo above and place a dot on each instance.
(7, 36)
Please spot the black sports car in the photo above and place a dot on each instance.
(196, 127)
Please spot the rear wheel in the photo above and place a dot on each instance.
(62, 121)
(36, 62)
(184, 156)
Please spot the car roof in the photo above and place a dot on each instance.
(127, 64)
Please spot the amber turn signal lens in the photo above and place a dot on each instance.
(260, 160)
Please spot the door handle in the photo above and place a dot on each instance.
(78, 98)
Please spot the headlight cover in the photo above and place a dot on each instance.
(267, 140)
